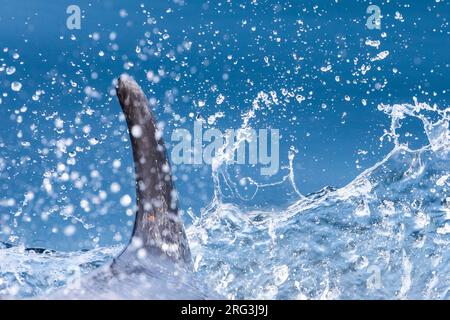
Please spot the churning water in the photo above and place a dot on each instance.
(384, 235)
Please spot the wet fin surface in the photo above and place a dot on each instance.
(158, 226)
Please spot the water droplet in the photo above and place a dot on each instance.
(300, 98)
(93, 141)
(326, 68)
(16, 86)
(281, 273)
(136, 131)
(10, 70)
(115, 187)
(125, 200)
(123, 13)
(70, 230)
(220, 99)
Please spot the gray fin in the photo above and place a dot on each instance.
(158, 227)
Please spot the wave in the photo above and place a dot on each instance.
(384, 235)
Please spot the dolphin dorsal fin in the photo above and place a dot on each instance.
(158, 227)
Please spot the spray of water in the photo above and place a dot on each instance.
(384, 235)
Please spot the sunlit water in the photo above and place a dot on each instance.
(384, 235)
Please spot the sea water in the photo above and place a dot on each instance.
(384, 235)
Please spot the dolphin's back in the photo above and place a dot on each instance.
(131, 278)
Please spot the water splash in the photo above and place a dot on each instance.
(384, 235)
(31, 273)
